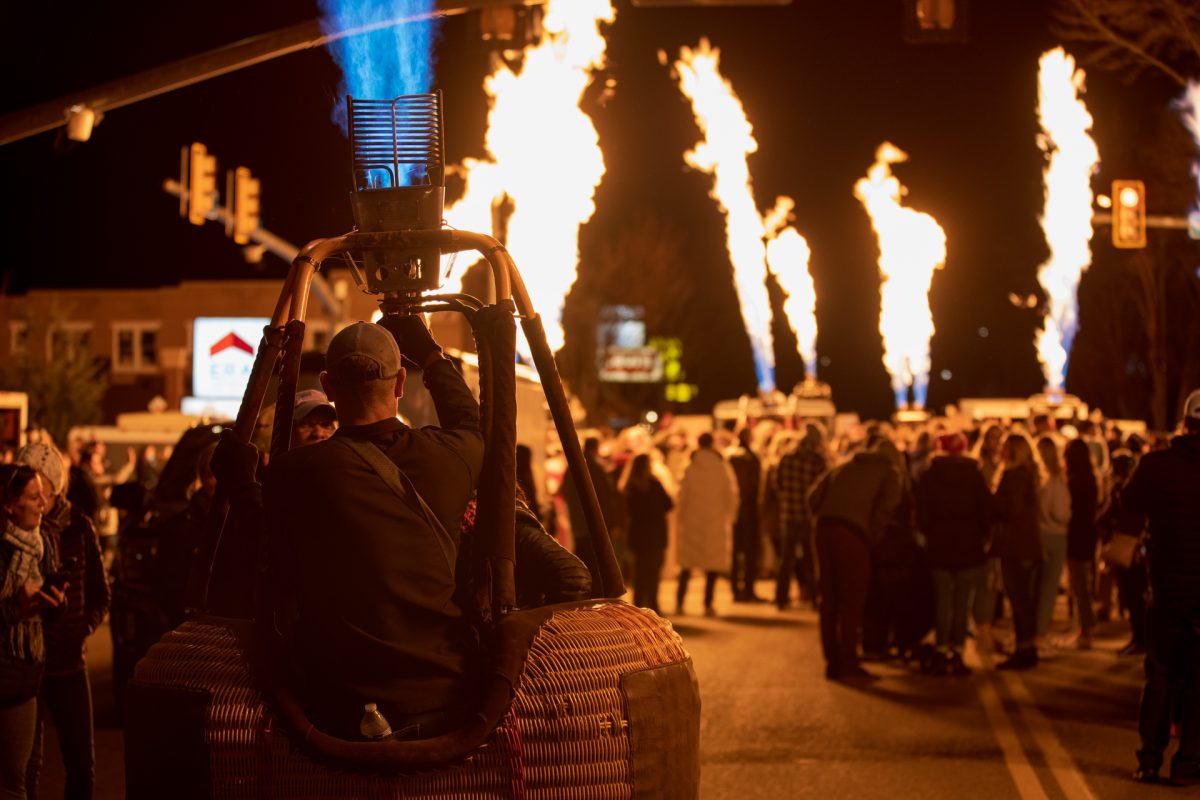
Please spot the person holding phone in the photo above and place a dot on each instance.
(66, 694)
(26, 558)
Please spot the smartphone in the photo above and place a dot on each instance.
(59, 577)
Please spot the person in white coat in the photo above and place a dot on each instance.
(707, 508)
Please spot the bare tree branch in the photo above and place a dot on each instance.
(1134, 35)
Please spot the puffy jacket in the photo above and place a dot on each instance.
(1165, 487)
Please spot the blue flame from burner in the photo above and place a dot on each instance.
(385, 63)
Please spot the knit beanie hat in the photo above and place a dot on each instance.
(46, 460)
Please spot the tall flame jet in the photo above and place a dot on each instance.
(1072, 159)
(754, 245)
(535, 116)
(788, 254)
(1188, 106)
(911, 246)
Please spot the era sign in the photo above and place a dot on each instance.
(223, 351)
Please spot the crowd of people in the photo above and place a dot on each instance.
(911, 539)
(908, 540)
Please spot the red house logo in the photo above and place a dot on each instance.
(229, 340)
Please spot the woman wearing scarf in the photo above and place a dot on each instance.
(66, 694)
(26, 558)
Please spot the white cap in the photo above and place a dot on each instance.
(1191, 406)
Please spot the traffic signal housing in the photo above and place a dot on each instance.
(202, 184)
(245, 205)
(1128, 214)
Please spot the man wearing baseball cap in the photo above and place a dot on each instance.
(362, 540)
(1165, 487)
(314, 418)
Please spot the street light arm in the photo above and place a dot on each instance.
(214, 63)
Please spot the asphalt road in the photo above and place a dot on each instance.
(773, 727)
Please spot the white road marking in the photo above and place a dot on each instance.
(1064, 769)
(1062, 766)
(1023, 774)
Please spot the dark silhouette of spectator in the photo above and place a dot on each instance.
(954, 514)
(796, 474)
(647, 503)
(1084, 485)
(1132, 580)
(1018, 544)
(606, 493)
(853, 504)
(1163, 488)
(747, 534)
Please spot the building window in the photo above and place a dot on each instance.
(69, 340)
(135, 346)
(18, 338)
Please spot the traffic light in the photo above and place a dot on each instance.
(202, 184)
(245, 205)
(1129, 214)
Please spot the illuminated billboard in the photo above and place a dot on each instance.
(223, 351)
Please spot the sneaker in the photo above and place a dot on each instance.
(1084, 642)
(1146, 775)
(955, 666)
(709, 611)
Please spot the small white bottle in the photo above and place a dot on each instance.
(374, 725)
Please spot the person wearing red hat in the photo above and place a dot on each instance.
(954, 514)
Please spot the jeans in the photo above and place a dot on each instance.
(1080, 573)
(1055, 546)
(984, 610)
(1020, 583)
(844, 562)
(1172, 623)
(796, 534)
(954, 590)
(17, 723)
(67, 698)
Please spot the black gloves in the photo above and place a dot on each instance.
(413, 336)
(235, 463)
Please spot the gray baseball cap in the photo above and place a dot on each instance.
(309, 401)
(368, 340)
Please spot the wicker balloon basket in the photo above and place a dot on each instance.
(606, 706)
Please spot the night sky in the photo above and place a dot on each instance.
(823, 83)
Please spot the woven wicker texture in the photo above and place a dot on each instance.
(565, 736)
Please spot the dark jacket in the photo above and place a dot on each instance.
(606, 494)
(863, 493)
(361, 584)
(1164, 489)
(1081, 529)
(954, 511)
(546, 572)
(648, 507)
(88, 595)
(1016, 534)
(748, 469)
